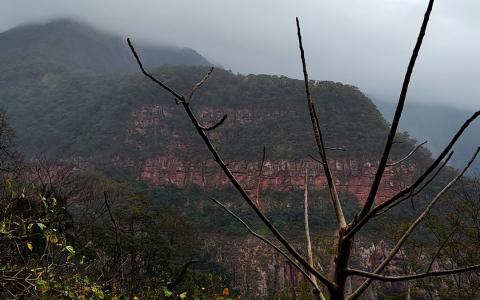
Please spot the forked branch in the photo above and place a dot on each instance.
(406, 192)
(216, 156)
(407, 156)
(216, 125)
(396, 118)
(199, 84)
(412, 194)
(373, 276)
(409, 231)
(268, 242)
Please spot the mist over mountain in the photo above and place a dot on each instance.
(437, 124)
(77, 47)
(67, 110)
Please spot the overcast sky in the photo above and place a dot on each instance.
(366, 43)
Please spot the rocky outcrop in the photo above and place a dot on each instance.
(351, 174)
(280, 175)
(256, 269)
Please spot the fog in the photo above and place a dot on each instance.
(364, 43)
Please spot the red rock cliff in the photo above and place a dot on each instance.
(281, 175)
(351, 175)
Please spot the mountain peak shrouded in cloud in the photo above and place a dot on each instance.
(78, 46)
(364, 43)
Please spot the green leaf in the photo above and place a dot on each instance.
(183, 295)
(41, 226)
(42, 285)
(70, 250)
(3, 228)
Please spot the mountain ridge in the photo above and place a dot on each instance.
(79, 47)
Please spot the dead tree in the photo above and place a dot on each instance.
(335, 284)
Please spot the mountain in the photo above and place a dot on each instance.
(78, 47)
(74, 97)
(123, 124)
(437, 124)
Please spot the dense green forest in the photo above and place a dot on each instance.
(91, 115)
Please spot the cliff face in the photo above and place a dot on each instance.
(281, 175)
(261, 272)
(256, 269)
(352, 174)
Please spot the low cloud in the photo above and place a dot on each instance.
(364, 43)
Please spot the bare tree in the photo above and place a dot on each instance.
(335, 284)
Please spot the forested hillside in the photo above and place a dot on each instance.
(121, 183)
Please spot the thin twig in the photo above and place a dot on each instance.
(441, 248)
(373, 276)
(412, 193)
(316, 159)
(318, 137)
(361, 222)
(407, 156)
(417, 221)
(139, 62)
(117, 234)
(199, 84)
(433, 166)
(215, 125)
(396, 119)
(307, 232)
(265, 240)
(182, 274)
(233, 180)
(259, 177)
(335, 148)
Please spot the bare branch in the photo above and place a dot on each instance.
(408, 232)
(396, 119)
(199, 84)
(316, 159)
(139, 62)
(373, 276)
(268, 242)
(319, 139)
(431, 168)
(264, 155)
(362, 221)
(182, 274)
(441, 248)
(216, 125)
(307, 233)
(407, 156)
(259, 177)
(234, 181)
(335, 148)
(412, 193)
(118, 245)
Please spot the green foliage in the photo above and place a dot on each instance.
(37, 259)
(92, 117)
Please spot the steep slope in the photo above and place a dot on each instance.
(79, 48)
